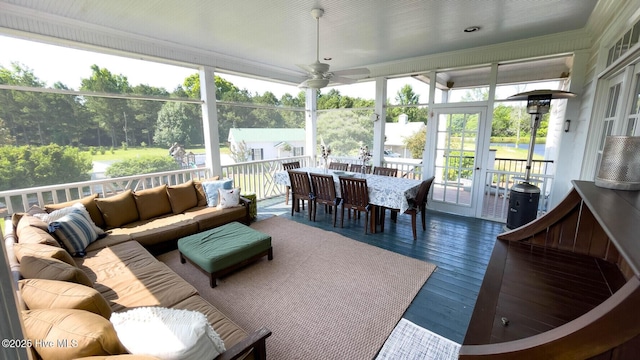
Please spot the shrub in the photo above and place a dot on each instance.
(142, 165)
(92, 150)
(102, 150)
(125, 146)
(28, 166)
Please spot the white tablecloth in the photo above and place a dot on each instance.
(387, 191)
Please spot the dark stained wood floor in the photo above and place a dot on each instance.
(459, 246)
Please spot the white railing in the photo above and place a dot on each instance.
(258, 176)
(12, 201)
(497, 187)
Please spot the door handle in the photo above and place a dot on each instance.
(477, 168)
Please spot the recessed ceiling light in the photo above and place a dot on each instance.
(471, 29)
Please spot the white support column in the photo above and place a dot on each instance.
(379, 121)
(210, 120)
(311, 123)
(575, 138)
(429, 151)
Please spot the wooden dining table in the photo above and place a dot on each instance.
(384, 191)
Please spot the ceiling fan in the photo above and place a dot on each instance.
(319, 74)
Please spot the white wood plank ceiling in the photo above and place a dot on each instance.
(268, 38)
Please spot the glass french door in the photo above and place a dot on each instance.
(457, 144)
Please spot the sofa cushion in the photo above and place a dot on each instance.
(211, 189)
(208, 218)
(42, 250)
(32, 230)
(76, 231)
(182, 197)
(34, 267)
(86, 333)
(118, 210)
(53, 294)
(159, 230)
(128, 276)
(152, 202)
(229, 331)
(167, 333)
(201, 195)
(109, 240)
(88, 203)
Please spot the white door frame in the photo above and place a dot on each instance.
(481, 152)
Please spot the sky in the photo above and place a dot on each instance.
(52, 63)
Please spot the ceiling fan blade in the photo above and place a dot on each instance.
(342, 80)
(303, 85)
(305, 67)
(352, 72)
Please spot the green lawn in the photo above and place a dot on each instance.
(513, 153)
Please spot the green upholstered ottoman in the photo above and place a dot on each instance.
(223, 249)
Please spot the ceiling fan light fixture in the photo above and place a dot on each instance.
(317, 83)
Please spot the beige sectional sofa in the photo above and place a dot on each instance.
(117, 269)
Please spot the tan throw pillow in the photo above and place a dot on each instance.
(88, 203)
(118, 210)
(200, 194)
(33, 267)
(32, 230)
(182, 197)
(72, 333)
(42, 250)
(30, 220)
(54, 294)
(152, 202)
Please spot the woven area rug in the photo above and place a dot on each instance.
(324, 296)
(409, 341)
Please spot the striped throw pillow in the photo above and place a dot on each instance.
(75, 232)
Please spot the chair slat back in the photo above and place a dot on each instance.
(291, 165)
(338, 166)
(355, 194)
(324, 188)
(423, 190)
(385, 171)
(300, 184)
(357, 168)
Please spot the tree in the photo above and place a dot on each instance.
(416, 143)
(5, 135)
(174, 125)
(406, 96)
(240, 152)
(107, 113)
(144, 114)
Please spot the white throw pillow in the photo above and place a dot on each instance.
(228, 198)
(168, 334)
(211, 190)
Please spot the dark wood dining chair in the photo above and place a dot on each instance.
(417, 205)
(324, 191)
(357, 168)
(300, 190)
(289, 166)
(355, 196)
(338, 166)
(385, 171)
